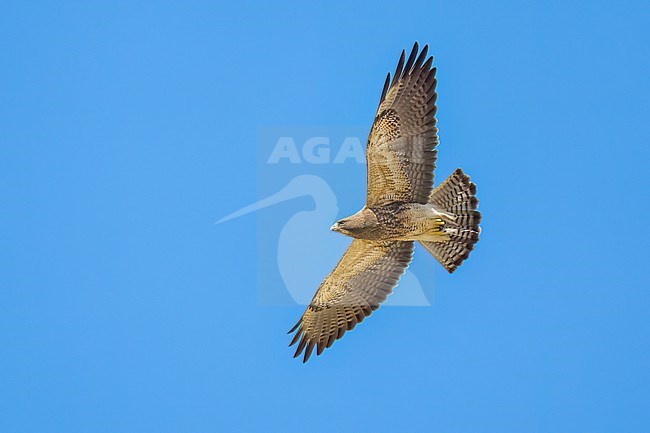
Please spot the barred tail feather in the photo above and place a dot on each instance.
(456, 195)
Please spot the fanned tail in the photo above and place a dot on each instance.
(457, 196)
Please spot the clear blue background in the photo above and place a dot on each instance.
(127, 129)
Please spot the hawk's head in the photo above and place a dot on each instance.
(344, 226)
(358, 225)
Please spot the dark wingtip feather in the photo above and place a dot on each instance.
(411, 59)
(295, 338)
(301, 346)
(420, 59)
(428, 63)
(400, 65)
(308, 350)
(295, 326)
(385, 89)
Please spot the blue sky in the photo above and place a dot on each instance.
(127, 129)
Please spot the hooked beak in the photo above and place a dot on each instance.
(335, 227)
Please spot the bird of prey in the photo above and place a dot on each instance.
(401, 207)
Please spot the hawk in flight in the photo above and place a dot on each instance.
(401, 207)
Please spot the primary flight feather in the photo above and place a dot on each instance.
(401, 207)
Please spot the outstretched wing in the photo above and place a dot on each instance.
(400, 153)
(363, 278)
